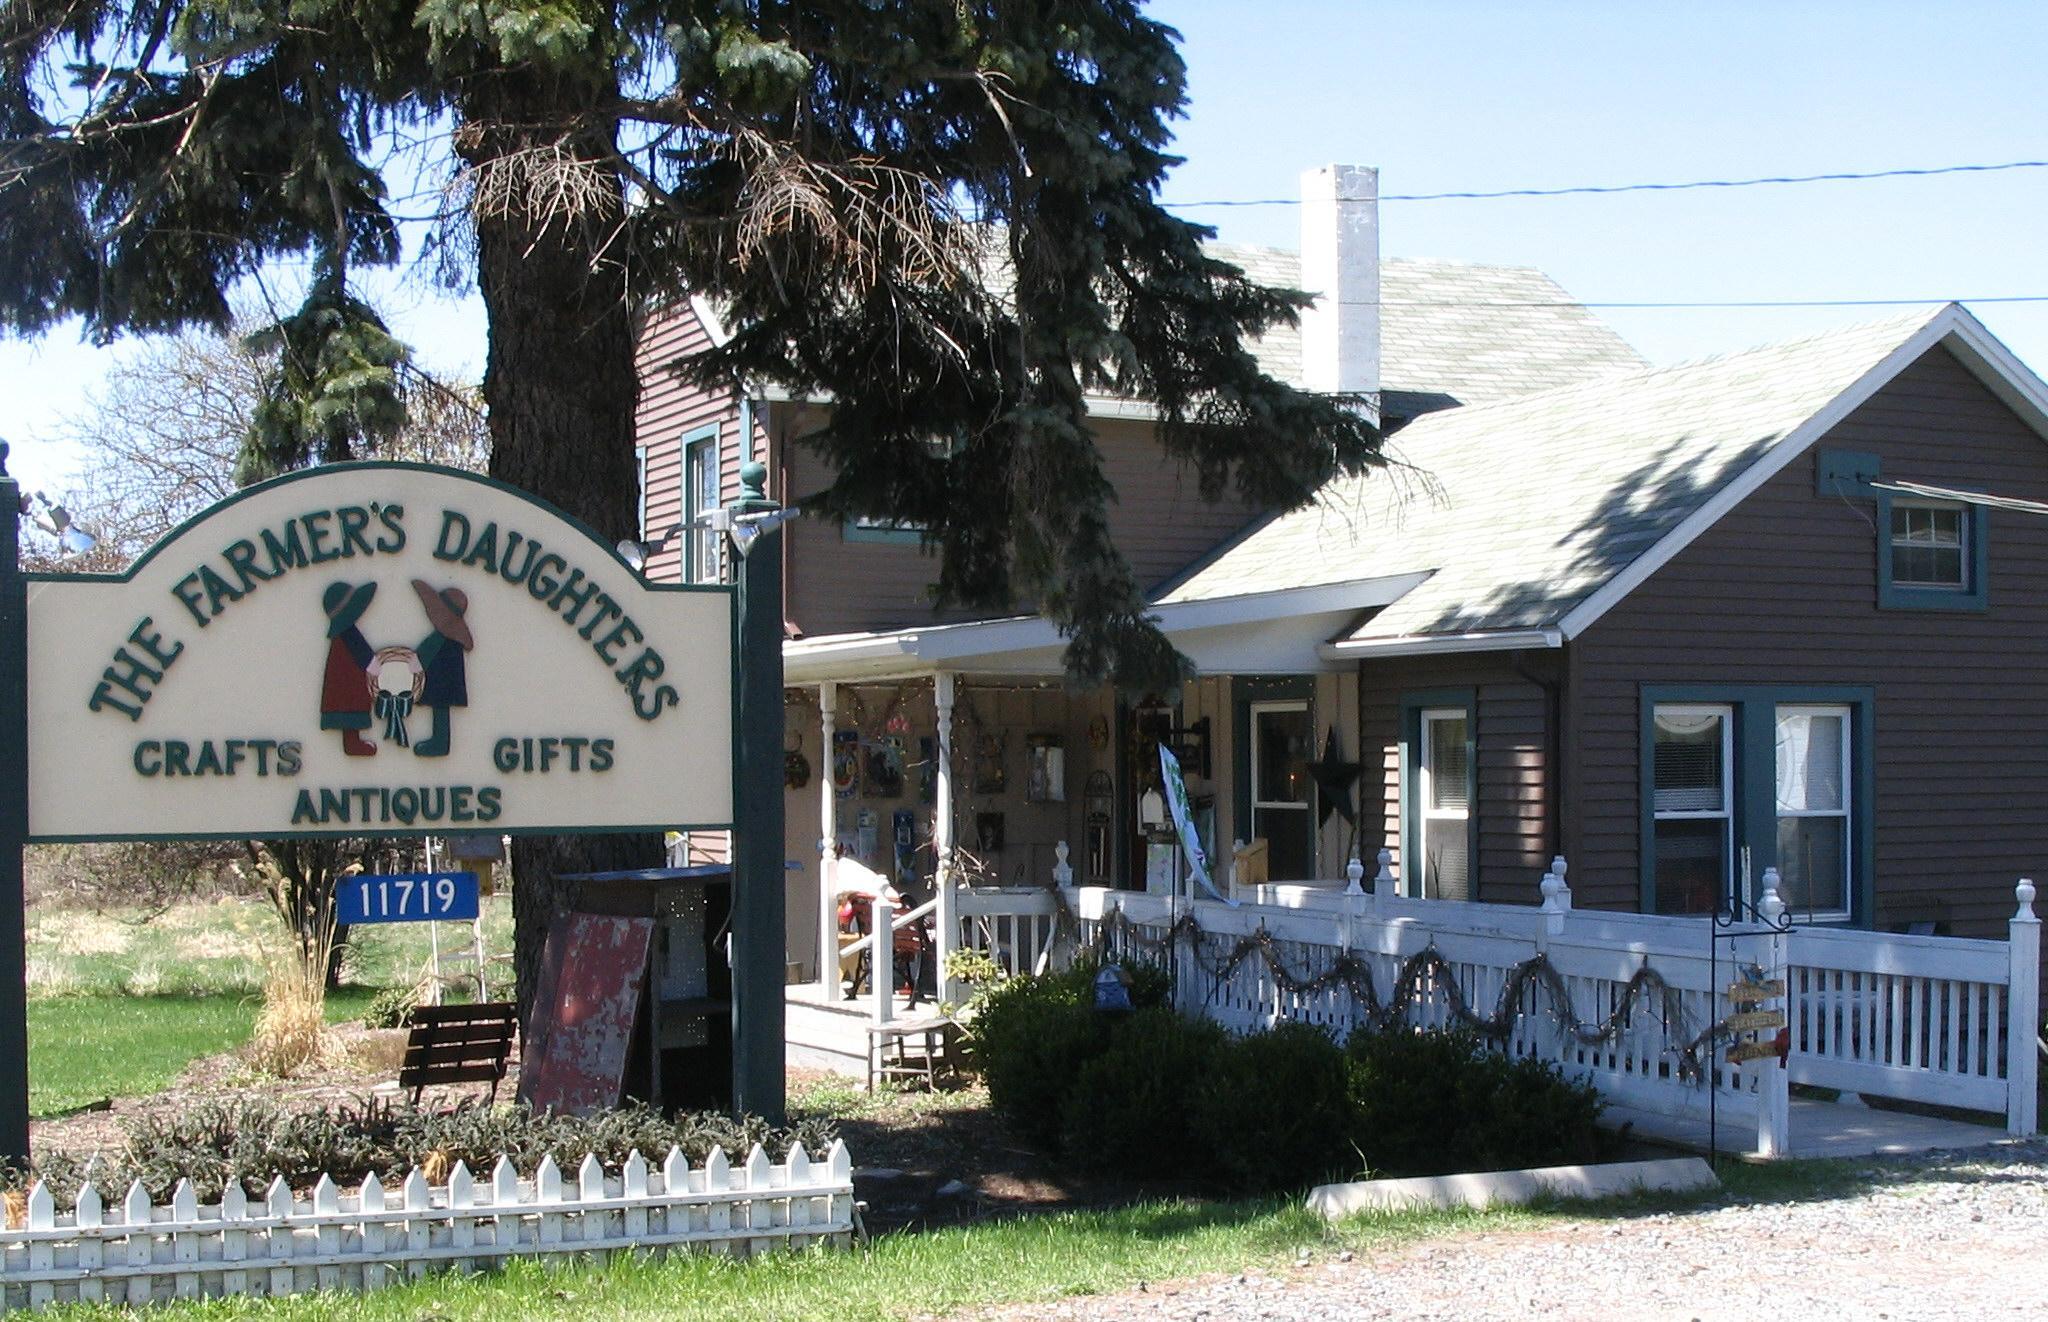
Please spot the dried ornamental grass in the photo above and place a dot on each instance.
(291, 1034)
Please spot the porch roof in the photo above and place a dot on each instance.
(1267, 633)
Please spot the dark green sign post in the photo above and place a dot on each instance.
(759, 938)
(13, 825)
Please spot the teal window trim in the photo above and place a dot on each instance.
(1246, 690)
(695, 441)
(1413, 704)
(887, 534)
(640, 460)
(1974, 595)
(1755, 803)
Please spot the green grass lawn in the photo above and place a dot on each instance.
(1029, 1259)
(84, 1048)
(121, 1002)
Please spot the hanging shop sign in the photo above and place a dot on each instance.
(377, 649)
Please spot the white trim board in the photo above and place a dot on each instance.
(1229, 629)
(1952, 327)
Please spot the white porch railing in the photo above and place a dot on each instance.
(879, 945)
(1012, 925)
(1928, 1019)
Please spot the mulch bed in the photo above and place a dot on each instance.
(944, 1158)
(226, 1077)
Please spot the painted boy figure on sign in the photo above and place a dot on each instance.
(441, 653)
(345, 696)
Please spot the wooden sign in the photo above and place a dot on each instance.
(373, 650)
(1751, 992)
(1754, 1020)
(1742, 1051)
(584, 1013)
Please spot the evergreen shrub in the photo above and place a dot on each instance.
(1134, 1109)
(1275, 1110)
(1440, 1102)
(1154, 1095)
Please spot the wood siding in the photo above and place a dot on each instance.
(670, 410)
(1783, 591)
(839, 585)
(1511, 791)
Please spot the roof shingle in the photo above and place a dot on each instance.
(1521, 509)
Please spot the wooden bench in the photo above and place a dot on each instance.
(458, 1044)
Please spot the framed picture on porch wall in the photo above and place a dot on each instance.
(927, 769)
(845, 762)
(988, 763)
(882, 768)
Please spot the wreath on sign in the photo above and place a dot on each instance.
(396, 678)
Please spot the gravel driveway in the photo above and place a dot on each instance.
(1933, 1236)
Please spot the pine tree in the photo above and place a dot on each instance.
(940, 214)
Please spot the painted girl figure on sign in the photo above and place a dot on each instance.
(345, 697)
(441, 653)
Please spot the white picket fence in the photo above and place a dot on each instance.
(139, 1253)
(1932, 1019)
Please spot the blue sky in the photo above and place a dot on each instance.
(1459, 94)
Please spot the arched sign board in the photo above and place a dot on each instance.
(377, 649)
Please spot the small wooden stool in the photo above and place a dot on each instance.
(932, 1035)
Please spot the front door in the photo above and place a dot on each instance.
(1282, 792)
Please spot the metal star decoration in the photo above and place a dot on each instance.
(1333, 776)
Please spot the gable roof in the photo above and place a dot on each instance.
(1450, 332)
(1532, 516)
(1455, 332)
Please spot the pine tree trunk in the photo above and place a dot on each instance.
(561, 389)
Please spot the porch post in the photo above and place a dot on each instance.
(2023, 1014)
(1773, 1085)
(942, 837)
(828, 871)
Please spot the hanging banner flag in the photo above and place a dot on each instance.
(1184, 822)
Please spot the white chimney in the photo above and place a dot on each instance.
(1340, 265)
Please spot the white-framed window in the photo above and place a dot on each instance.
(1813, 809)
(1930, 544)
(1693, 791)
(700, 498)
(1443, 797)
(1282, 791)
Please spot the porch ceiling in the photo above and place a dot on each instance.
(1256, 633)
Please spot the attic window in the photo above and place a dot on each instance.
(1927, 545)
(1932, 554)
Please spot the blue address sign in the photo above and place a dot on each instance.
(406, 897)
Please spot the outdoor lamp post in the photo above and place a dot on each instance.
(759, 941)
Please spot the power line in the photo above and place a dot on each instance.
(1598, 189)
(1690, 303)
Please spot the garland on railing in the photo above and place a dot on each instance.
(1418, 975)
